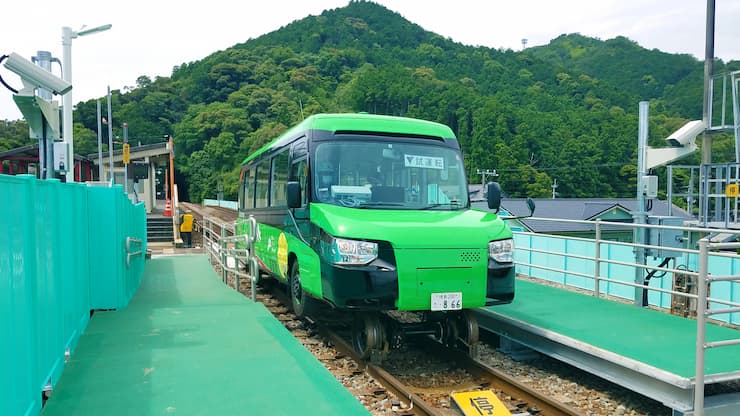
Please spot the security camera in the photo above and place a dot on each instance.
(36, 77)
(685, 135)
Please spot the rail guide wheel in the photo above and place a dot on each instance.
(461, 330)
(368, 337)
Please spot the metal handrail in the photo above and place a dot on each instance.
(702, 312)
(223, 248)
(130, 253)
(597, 262)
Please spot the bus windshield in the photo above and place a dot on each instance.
(383, 175)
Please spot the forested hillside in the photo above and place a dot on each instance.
(565, 111)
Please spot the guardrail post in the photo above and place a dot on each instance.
(205, 237)
(221, 244)
(597, 259)
(236, 264)
(701, 309)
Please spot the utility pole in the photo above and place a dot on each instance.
(100, 143)
(486, 172)
(524, 44)
(110, 139)
(554, 186)
(706, 143)
(639, 215)
(67, 35)
(46, 144)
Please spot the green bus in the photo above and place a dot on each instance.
(370, 214)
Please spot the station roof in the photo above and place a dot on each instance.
(137, 152)
(30, 151)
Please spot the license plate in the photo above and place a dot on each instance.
(449, 301)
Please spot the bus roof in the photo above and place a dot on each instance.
(362, 122)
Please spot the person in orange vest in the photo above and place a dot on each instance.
(186, 229)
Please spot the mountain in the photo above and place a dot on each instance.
(565, 111)
(647, 74)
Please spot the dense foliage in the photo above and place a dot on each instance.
(13, 134)
(565, 111)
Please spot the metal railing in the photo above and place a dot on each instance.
(232, 252)
(703, 311)
(702, 277)
(130, 241)
(705, 190)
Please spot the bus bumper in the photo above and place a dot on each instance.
(372, 287)
(500, 283)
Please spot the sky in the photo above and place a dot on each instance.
(151, 37)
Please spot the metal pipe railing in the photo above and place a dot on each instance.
(701, 330)
(232, 251)
(129, 253)
(703, 310)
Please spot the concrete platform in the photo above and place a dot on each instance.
(189, 345)
(647, 351)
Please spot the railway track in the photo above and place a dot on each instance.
(467, 374)
(404, 385)
(418, 379)
(225, 218)
(200, 211)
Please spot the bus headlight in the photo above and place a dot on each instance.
(502, 250)
(350, 252)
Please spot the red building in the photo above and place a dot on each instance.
(25, 160)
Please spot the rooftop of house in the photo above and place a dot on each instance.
(608, 209)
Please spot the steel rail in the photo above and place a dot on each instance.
(495, 378)
(502, 381)
(418, 405)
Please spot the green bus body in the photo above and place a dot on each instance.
(390, 244)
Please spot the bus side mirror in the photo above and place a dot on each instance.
(493, 195)
(294, 195)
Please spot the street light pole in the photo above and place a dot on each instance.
(67, 35)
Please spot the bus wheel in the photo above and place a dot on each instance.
(367, 334)
(303, 304)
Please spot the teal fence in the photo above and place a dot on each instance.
(567, 258)
(221, 203)
(62, 253)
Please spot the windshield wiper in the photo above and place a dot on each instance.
(451, 204)
(379, 204)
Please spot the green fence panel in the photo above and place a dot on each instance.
(114, 282)
(135, 228)
(560, 260)
(73, 235)
(105, 249)
(49, 281)
(19, 393)
(62, 253)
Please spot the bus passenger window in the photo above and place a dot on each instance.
(263, 184)
(279, 197)
(248, 186)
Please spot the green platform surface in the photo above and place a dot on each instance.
(189, 345)
(655, 338)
